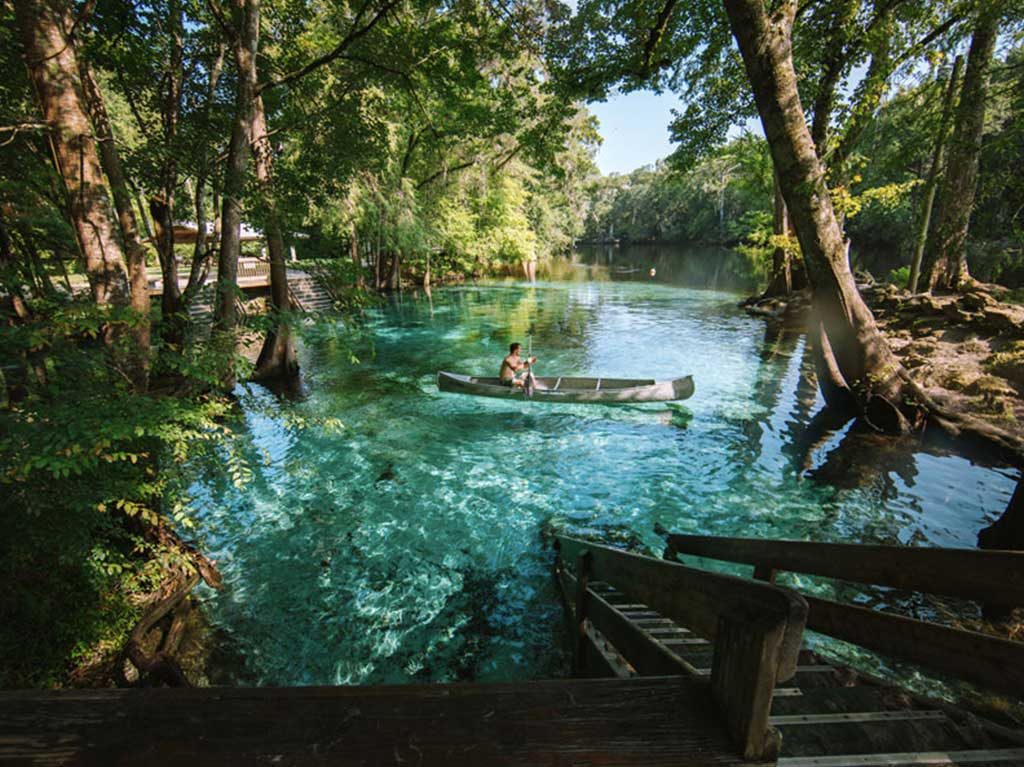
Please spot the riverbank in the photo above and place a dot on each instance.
(966, 350)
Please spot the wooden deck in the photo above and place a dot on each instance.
(641, 721)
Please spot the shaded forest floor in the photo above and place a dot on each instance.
(966, 350)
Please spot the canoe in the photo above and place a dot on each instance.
(572, 389)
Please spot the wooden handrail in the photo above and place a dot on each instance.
(992, 662)
(757, 628)
(986, 575)
(992, 576)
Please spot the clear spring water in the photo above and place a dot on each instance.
(405, 544)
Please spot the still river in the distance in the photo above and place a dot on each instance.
(405, 543)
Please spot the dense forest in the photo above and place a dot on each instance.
(395, 143)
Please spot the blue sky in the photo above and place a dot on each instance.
(635, 130)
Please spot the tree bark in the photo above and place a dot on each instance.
(947, 256)
(934, 172)
(862, 356)
(52, 63)
(246, 45)
(277, 357)
(129, 228)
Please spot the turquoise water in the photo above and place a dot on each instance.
(403, 542)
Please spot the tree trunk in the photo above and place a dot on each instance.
(202, 250)
(129, 228)
(395, 273)
(862, 356)
(32, 266)
(1007, 532)
(354, 252)
(277, 357)
(947, 256)
(843, 14)
(781, 282)
(225, 316)
(161, 205)
(52, 63)
(147, 227)
(163, 221)
(376, 263)
(931, 183)
(15, 299)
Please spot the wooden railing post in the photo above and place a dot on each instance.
(743, 676)
(579, 653)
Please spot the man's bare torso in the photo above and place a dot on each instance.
(511, 365)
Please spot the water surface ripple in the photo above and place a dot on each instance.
(406, 544)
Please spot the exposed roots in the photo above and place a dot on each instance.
(159, 632)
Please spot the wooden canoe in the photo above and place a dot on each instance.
(572, 389)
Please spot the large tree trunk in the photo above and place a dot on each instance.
(934, 172)
(947, 255)
(277, 357)
(861, 354)
(53, 68)
(248, 12)
(129, 228)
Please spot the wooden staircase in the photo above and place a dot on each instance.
(694, 668)
(818, 715)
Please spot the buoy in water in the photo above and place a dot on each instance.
(653, 271)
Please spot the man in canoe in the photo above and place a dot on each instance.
(512, 365)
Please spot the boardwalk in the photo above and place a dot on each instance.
(651, 721)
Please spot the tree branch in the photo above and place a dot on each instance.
(657, 33)
(354, 34)
(453, 169)
(222, 20)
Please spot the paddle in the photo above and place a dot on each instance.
(529, 382)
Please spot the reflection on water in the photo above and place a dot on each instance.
(406, 544)
(708, 267)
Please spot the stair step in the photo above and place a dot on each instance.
(854, 717)
(684, 641)
(918, 757)
(799, 669)
(654, 622)
(834, 700)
